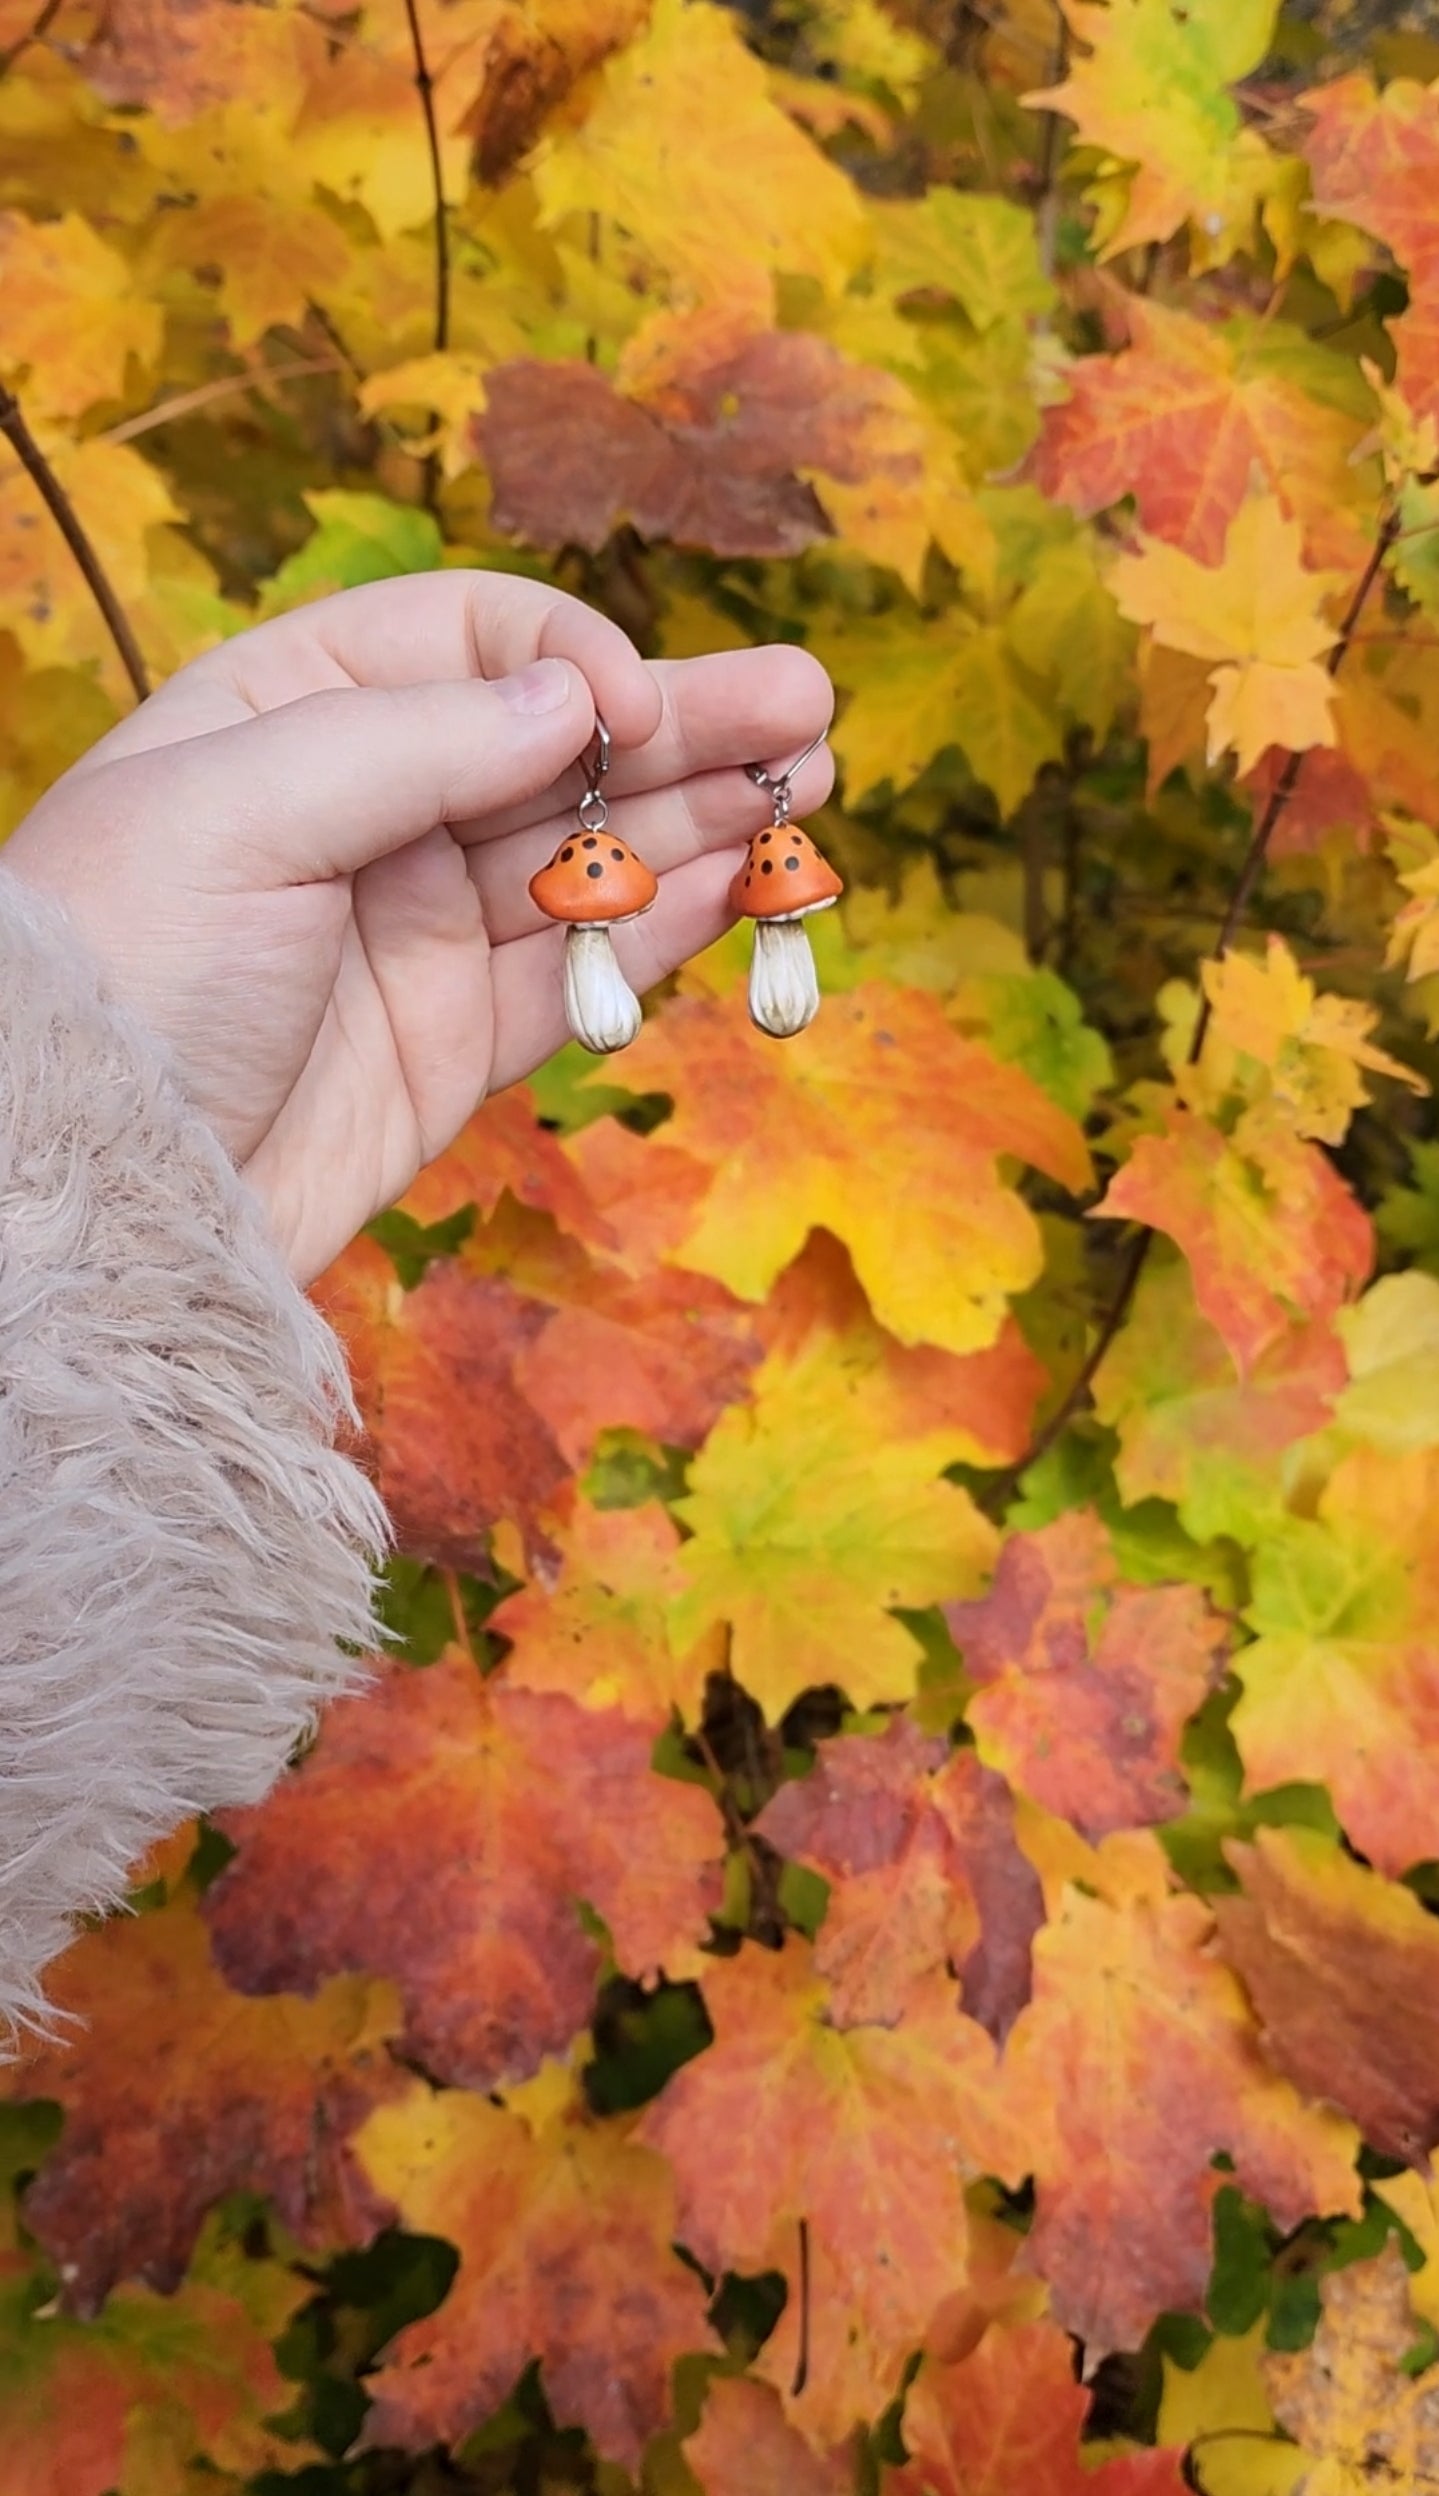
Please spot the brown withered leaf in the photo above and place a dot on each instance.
(918, 1844)
(1342, 1967)
(721, 465)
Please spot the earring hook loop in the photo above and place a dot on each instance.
(593, 809)
(778, 785)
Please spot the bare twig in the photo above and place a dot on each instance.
(1137, 1253)
(33, 34)
(1047, 200)
(801, 2363)
(425, 86)
(62, 511)
(229, 385)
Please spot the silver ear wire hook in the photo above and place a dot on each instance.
(593, 809)
(779, 785)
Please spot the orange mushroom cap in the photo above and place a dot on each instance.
(783, 876)
(593, 877)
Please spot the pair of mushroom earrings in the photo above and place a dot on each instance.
(594, 882)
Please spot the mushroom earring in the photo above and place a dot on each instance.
(595, 882)
(782, 882)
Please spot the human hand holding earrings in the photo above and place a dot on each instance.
(595, 882)
(782, 882)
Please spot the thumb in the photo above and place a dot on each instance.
(327, 783)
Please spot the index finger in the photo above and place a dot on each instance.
(423, 628)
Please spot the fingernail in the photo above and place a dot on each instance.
(542, 686)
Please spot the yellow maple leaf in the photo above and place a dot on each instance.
(1255, 616)
(272, 255)
(707, 198)
(1152, 92)
(73, 315)
(1313, 1047)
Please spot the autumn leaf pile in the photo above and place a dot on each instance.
(875, 1929)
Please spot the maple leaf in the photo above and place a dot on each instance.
(179, 58)
(73, 315)
(457, 1444)
(1086, 1683)
(505, 1151)
(565, 2230)
(1270, 1231)
(1195, 1430)
(1313, 1046)
(739, 454)
(1255, 613)
(745, 2446)
(866, 2134)
(177, 2090)
(601, 1632)
(961, 683)
(1391, 1345)
(1372, 160)
(1007, 2421)
(1133, 2065)
(273, 258)
(816, 1508)
(1181, 419)
(918, 1844)
(1340, 1966)
(1152, 90)
(879, 1125)
(1349, 2400)
(717, 202)
(981, 250)
(1341, 1686)
(639, 1347)
(119, 2406)
(533, 54)
(536, 1803)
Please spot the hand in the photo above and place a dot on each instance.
(304, 861)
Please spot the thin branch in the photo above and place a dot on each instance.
(32, 34)
(229, 385)
(801, 2363)
(1047, 200)
(62, 511)
(425, 86)
(1137, 1253)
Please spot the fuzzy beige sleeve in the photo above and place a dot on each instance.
(181, 1546)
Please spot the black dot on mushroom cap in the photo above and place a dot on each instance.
(618, 856)
(590, 843)
(766, 836)
(595, 867)
(766, 866)
(567, 854)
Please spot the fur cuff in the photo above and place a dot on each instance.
(181, 1546)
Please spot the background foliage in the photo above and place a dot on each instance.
(877, 1932)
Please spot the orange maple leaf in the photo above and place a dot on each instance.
(1008, 2420)
(1086, 1684)
(565, 2231)
(880, 1125)
(866, 2135)
(1182, 417)
(177, 2089)
(1270, 1230)
(918, 1844)
(1342, 1967)
(1135, 2062)
(443, 1831)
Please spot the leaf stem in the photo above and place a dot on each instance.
(1137, 1253)
(62, 511)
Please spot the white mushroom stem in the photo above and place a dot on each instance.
(601, 1008)
(783, 987)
